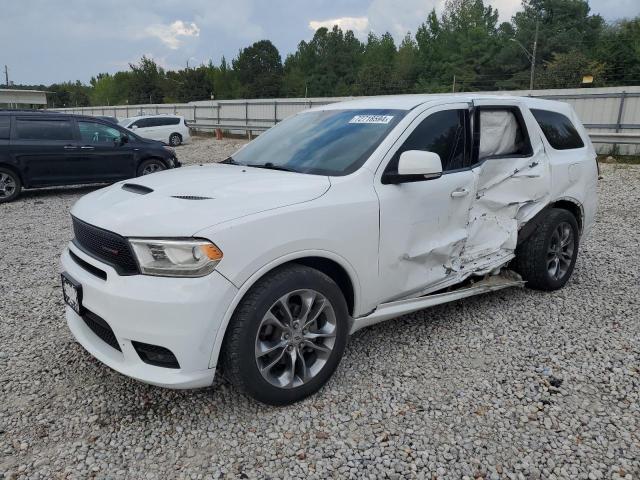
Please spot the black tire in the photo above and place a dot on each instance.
(239, 362)
(175, 139)
(10, 185)
(152, 165)
(535, 259)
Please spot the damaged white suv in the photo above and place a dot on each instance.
(337, 218)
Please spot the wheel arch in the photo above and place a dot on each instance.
(15, 170)
(332, 265)
(569, 204)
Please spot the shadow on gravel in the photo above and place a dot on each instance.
(42, 193)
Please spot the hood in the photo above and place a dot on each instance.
(179, 203)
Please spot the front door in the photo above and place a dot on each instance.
(423, 224)
(106, 158)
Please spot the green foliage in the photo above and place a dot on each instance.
(464, 48)
(259, 70)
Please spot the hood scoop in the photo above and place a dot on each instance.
(139, 189)
(191, 197)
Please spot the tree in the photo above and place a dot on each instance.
(376, 73)
(566, 70)
(146, 82)
(259, 69)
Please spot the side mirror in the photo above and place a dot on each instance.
(124, 139)
(414, 166)
(133, 127)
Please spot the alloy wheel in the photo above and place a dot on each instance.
(295, 338)
(7, 185)
(560, 252)
(152, 168)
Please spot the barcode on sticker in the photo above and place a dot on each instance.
(383, 119)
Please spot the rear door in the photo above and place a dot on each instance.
(513, 180)
(106, 158)
(46, 149)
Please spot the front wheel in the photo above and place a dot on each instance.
(547, 258)
(287, 336)
(150, 166)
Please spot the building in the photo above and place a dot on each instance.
(14, 98)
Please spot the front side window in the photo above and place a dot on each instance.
(329, 142)
(142, 123)
(558, 129)
(43, 129)
(443, 133)
(92, 132)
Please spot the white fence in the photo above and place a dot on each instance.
(611, 115)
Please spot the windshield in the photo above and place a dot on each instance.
(331, 142)
(124, 122)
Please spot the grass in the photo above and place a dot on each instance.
(620, 159)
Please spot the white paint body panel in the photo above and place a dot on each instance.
(395, 242)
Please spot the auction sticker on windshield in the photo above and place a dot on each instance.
(380, 119)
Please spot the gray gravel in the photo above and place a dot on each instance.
(515, 384)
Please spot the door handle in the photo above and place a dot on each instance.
(460, 192)
(86, 147)
(70, 147)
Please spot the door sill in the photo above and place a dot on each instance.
(387, 311)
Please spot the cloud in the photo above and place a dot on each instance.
(357, 24)
(170, 34)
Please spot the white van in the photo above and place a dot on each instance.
(171, 129)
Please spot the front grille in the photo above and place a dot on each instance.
(101, 328)
(106, 246)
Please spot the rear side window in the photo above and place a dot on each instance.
(558, 129)
(4, 127)
(501, 133)
(161, 122)
(43, 129)
(442, 133)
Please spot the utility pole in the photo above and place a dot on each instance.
(6, 75)
(533, 56)
(453, 88)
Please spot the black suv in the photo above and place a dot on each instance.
(42, 149)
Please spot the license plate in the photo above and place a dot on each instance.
(72, 293)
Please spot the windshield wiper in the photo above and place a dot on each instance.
(271, 166)
(229, 161)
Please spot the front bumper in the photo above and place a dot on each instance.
(179, 314)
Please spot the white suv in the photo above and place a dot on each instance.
(170, 129)
(338, 218)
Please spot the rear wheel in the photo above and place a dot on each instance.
(10, 185)
(150, 166)
(175, 139)
(547, 258)
(287, 336)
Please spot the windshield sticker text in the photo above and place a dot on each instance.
(380, 119)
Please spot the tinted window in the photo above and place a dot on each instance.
(167, 121)
(560, 132)
(442, 133)
(142, 123)
(329, 142)
(4, 127)
(92, 132)
(43, 129)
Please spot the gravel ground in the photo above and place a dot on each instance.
(515, 384)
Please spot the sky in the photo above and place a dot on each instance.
(47, 41)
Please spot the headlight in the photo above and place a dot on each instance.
(176, 258)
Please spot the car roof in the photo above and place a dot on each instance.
(409, 102)
(163, 115)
